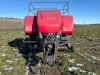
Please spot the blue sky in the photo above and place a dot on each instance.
(81, 10)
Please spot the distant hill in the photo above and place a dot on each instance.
(11, 23)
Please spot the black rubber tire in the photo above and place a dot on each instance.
(26, 49)
(72, 49)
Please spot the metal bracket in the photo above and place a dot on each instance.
(28, 41)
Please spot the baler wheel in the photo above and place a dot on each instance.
(72, 49)
(26, 49)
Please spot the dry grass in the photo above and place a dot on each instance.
(11, 23)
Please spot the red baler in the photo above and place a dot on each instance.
(49, 30)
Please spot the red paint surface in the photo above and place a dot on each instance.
(49, 21)
(30, 25)
(67, 25)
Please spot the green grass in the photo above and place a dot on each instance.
(84, 40)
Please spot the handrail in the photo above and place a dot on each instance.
(64, 9)
(48, 2)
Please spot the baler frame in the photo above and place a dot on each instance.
(64, 9)
(56, 39)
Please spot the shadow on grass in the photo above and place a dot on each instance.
(18, 43)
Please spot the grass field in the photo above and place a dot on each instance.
(84, 61)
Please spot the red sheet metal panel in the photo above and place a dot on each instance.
(49, 21)
(67, 25)
(30, 25)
